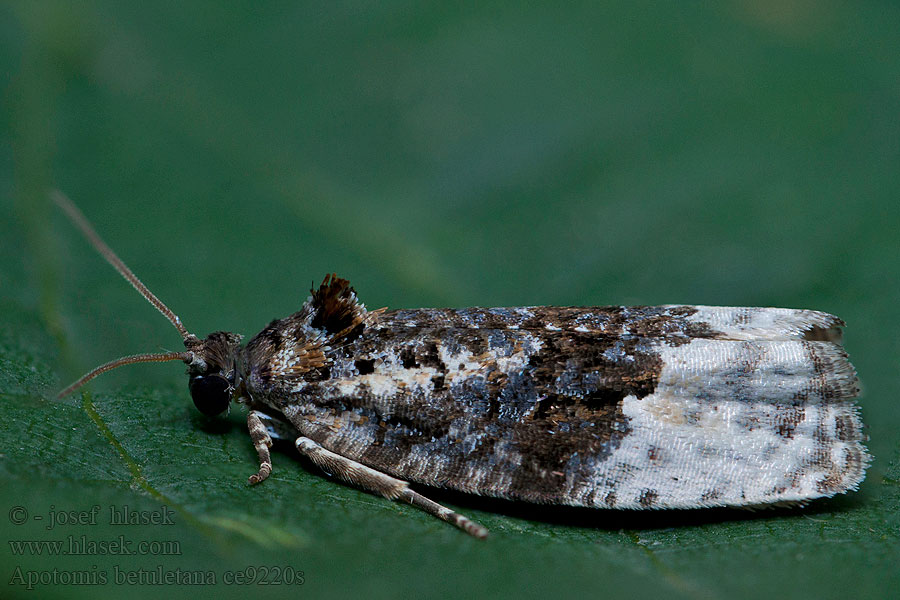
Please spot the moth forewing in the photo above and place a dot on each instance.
(619, 407)
(608, 407)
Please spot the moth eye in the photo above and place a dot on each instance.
(211, 394)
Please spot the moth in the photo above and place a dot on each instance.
(622, 407)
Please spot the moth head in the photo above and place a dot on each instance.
(212, 362)
(213, 371)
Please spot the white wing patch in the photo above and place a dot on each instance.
(760, 324)
(736, 423)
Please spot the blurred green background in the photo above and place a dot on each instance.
(741, 153)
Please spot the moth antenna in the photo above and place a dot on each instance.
(80, 221)
(125, 360)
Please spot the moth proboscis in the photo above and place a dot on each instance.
(637, 407)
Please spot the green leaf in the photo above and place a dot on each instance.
(597, 153)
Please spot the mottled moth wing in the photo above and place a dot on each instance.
(620, 407)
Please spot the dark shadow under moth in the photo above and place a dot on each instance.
(609, 407)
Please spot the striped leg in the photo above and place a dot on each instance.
(380, 483)
(262, 441)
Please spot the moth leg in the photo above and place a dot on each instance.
(380, 483)
(262, 441)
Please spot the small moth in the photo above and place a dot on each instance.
(610, 407)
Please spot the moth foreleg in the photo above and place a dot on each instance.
(262, 441)
(377, 482)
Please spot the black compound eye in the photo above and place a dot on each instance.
(211, 393)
